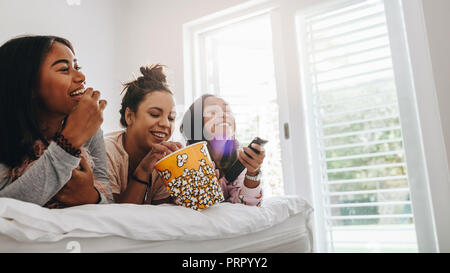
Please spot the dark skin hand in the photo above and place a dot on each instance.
(135, 191)
(79, 189)
(85, 119)
(158, 152)
(82, 123)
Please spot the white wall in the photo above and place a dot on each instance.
(437, 20)
(153, 34)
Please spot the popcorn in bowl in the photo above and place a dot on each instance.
(190, 178)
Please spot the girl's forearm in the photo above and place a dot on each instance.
(135, 191)
(44, 179)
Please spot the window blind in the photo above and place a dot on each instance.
(355, 122)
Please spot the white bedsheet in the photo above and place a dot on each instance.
(24, 223)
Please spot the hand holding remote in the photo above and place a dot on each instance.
(237, 167)
(252, 158)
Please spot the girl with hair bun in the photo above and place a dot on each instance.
(148, 116)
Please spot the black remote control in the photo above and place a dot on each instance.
(236, 169)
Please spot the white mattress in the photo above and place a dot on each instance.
(281, 224)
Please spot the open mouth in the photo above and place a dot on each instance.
(77, 92)
(159, 135)
(223, 123)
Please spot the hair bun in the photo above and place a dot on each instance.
(153, 79)
(154, 73)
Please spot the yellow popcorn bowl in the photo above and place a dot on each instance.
(190, 178)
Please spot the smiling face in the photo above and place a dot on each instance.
(59, 79)
(219, 122)
(153, 121)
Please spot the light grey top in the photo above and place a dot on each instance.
(52, 171)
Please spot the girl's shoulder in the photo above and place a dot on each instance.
(114, 145)
(114, 139)
(114, 136)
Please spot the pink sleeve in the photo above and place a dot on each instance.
(103, 189)
(237, 192)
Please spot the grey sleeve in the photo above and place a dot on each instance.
(44, 179)
(97, 150)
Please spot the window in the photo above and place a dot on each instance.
(336, 77)
(237, 65)
(356, 129)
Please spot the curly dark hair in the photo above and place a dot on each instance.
(153, 79)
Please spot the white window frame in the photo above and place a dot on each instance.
(193, 76)
(434, 152)
(429, 190)
(417, 169)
